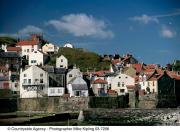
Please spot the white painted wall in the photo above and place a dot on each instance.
(49, 48)
(124, 80)
(62, 62)
(37, 58)
(56, 91)
(35, 74)
(26, 49)
(78, 80)
(75, 72)
(95, 88)
(153, 85)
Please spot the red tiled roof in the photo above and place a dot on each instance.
(13, 49)
(174, 75)
(100, 81)
(148, 71)
(137, 67)
(27, 42)
(3, 68)
(150, 66)
(109, 91)
(101, 73)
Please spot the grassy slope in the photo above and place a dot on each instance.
(83, 59)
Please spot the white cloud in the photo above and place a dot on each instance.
(81, 25)
(24, 31)
(144, 19)
(167, 33)
(30, 29)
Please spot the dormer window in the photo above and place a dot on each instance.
(61, 60)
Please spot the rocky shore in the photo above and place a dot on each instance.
(162, 117)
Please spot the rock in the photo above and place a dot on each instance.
(81, 116)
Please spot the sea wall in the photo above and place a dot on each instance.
(53, 104)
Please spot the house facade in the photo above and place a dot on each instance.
(31, 45)
(57, 80)
(49, 48)
(37, 58)
(99, 87)
(72, 73)
(62, 62)
(120, 82)
(77, 87)
(33, 83)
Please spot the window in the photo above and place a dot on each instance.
(29, 81)
(70, 75)
(153, 83)
(148, 83)
(119, 84)
(52, 91)
(27, 50)
(119, 77)
(36, 80)
(15, 85)
(32, 50)
(77, 93)
(41, 75)
(61, 65)
(33, 61)
(61, 60)
(41, 80)
(143, 83)
(25, 75)
(59, 90)
(122, 90)
(25, 81)
(122, 84)
(24, 50)
(126, 77)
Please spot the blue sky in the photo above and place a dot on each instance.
(148, 29)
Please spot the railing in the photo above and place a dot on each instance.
(33, 84)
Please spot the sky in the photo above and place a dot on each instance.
(147, 29)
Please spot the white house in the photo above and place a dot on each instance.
(33, 83)
(37, 58)
(149, 85)
(120, 83)
(50, 48)
(61, 62)
(99, 87)
(28, 46)
(77, 87)
(72, 73)
(68, 45)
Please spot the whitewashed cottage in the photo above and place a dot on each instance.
(77, 87)
(62, 62)
(33, 82)
(37, 58)
(121, 82)
(72, 73)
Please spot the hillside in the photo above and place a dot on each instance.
(8, 40)
(83, 59)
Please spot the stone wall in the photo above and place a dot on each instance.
(53, 104)
(148, 101)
